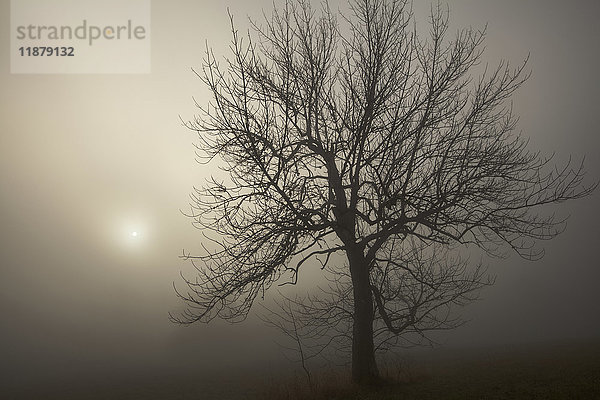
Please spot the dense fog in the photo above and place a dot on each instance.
(86, 160)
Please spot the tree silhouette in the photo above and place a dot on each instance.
(371, 143)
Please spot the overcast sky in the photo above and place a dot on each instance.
(87, 159)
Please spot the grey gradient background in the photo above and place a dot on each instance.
(86, 159)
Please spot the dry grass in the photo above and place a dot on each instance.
(540, 372)
(550, 372)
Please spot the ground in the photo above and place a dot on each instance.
(550, 371)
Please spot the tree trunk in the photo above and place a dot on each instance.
(364, 367)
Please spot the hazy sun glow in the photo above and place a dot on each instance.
(130, 230)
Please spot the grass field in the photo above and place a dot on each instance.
(525, 372)
(564, 371)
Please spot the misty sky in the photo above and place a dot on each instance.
(85, 160)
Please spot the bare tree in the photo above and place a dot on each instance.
(375, 144)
